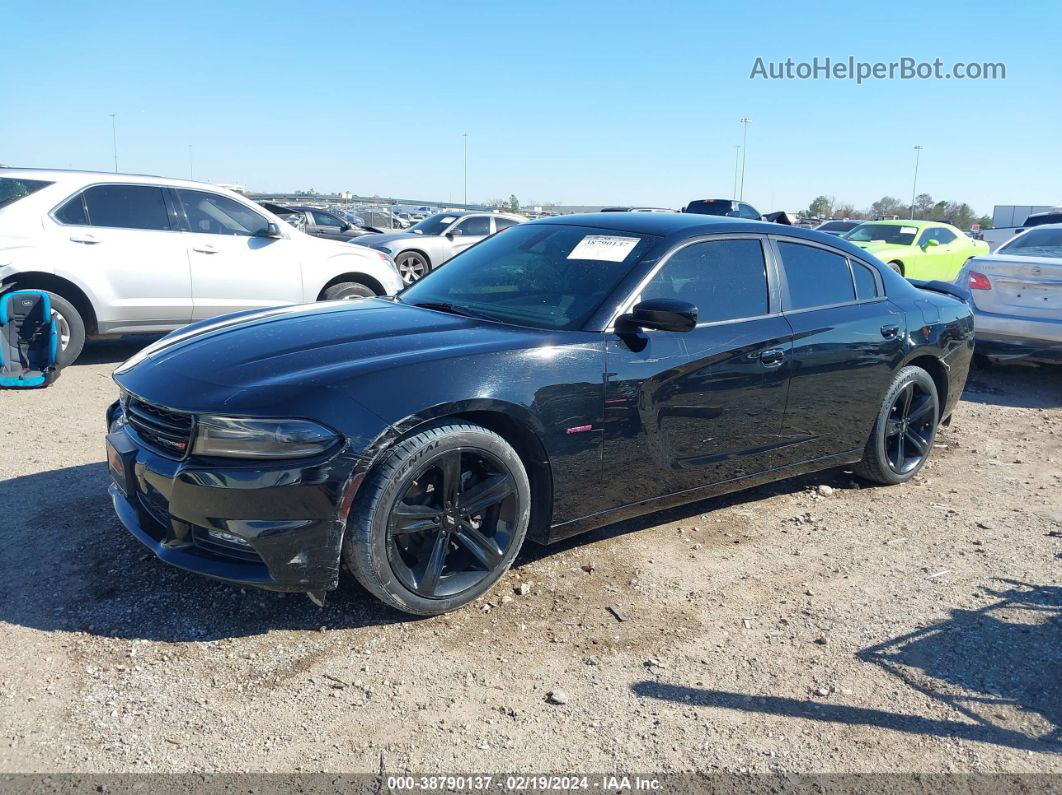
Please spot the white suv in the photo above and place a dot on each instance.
(123, 254)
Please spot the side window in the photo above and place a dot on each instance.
(504, 223)
(73, 212)
(945, 236)
(324, 219)
(119, 206)
(745, 211)
(724, 279)
(866, 284)
(477, 225)
(213, 214)
(816, 277)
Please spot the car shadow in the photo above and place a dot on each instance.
(1015, 385)
(113, 351)
(999, 667)
(69, 565)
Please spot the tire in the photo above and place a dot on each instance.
(897, 266)
(347, 291)
(412, 478)
(904, 430)
(71, 328)
(412, 265)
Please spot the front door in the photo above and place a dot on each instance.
(688, 409)
(234, 267)
(469, 231)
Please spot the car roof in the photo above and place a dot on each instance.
(74, 176)
(910, 222)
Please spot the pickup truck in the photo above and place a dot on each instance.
(997, 237)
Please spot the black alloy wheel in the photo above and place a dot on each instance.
(910, 428)
(454, 524)
(440, 519)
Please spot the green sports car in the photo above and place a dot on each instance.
(918, 249)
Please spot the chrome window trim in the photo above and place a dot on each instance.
(773, 302)
(848, 258)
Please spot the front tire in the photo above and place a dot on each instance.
(904, 430)
(412, 266)
(440, 519)
(347, 291)
(70, 327)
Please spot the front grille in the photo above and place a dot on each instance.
(169, 432)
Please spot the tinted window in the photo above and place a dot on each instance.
(73, 212)
(213, 214)
(474, 226)
(942, 236)
(1043, 218)
(710, 207)
(745, 211)
(837, 226)
(816, 277)
(541, 275)
(1035, 243)
(433, 225)
(504, 223)
(725, 279)
(898, 234)
(125, 206)
(866, 284)
(324, 219)
(11, 189)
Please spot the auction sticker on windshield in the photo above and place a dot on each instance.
(908, 230)
(606, 248)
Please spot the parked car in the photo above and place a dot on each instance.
(998, 236)
(431, 242)
(918, 249)
(319, 223)
(635, 210)
(566, 374)
(1017, 297)
(837, 228)
(382, 218)
(121, 254)
(731, 208)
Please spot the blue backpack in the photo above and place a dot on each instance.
(29, 343)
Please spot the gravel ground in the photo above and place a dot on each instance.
(811, 625)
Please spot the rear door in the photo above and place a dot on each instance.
(847, 344)
(684, 410)
(234, 267)
(125, 240)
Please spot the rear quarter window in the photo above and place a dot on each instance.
(816, 277)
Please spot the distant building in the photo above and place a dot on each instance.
(241, 189)
(1004, 215)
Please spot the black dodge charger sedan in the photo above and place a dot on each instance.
(570, 373)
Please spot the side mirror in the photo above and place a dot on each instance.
(450, 235)
(929, 243)
(346, 227)
(271, 231)
(661, 314)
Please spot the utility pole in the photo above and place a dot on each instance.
(191, 171)
(745, 120)
(114, 141)
(737, 151)
(914, 185)
(465, 136)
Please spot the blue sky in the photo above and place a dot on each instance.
(581, 103)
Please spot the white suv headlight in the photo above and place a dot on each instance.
(239, 437)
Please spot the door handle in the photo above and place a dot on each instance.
(205, 249)
(772, 357)
(89, 240)
(889, 332)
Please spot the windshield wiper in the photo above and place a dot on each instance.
(453, 309)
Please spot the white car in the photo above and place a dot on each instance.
(123, 254)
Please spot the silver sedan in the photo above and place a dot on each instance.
(437, 238)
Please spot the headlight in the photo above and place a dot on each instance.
(236, 437)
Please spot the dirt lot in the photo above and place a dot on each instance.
(811, 625)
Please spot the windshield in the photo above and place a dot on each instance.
(13, 189)
(710, 207)
(837, 226)
(1035, 243)
(884, 233)
(546, 276)
(434, 224)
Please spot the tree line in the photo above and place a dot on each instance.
(958, 214)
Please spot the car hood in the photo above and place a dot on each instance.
(880, 250)
(376, 241)
(252, 360)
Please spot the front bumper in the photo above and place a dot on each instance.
(275, 525)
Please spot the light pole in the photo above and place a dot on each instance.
(737, 150)
(914, 185)
(191, 171)
(465, 136)
(745, 120)
(114, 141)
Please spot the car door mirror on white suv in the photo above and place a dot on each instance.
(271, 230)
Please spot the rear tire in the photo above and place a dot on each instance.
(440, 519)
(904, 430)
(347, 291)
(70, 327)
